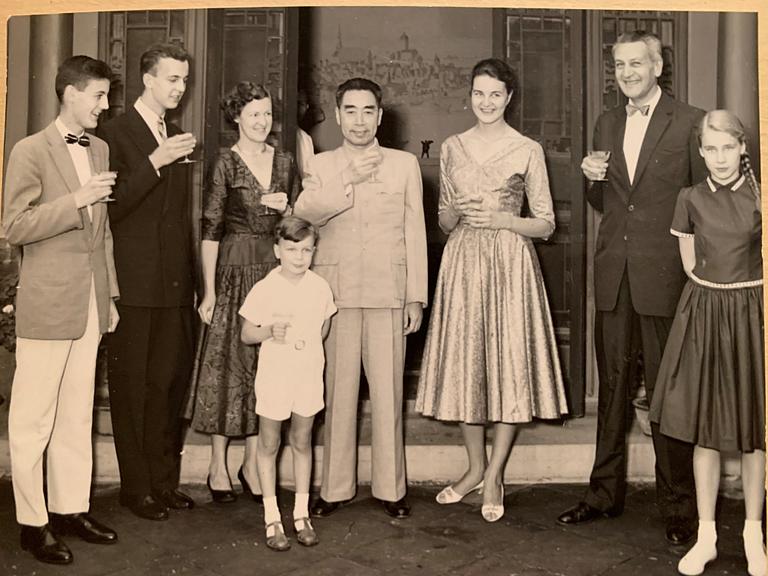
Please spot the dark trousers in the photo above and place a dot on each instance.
(150, 361)
(618, 334)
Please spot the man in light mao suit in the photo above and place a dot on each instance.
(65, 300)
(367, 201)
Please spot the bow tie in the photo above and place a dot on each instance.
(631, 109)
(82, 140)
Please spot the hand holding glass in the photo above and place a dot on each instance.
(114, 179)
(599, 160)
(276, 201)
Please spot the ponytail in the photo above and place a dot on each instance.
(749, 173)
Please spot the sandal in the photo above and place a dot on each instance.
(493, 512)
(278, 541)
(449, 496)
(307, 535)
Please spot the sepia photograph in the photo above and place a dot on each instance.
(293, 288)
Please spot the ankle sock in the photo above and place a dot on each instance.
(704, 551)
(754, 549)
(301, 505)
(271, 511)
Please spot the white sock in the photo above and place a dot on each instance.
(704, 551)
(754, 548)
(301, 505)
(271, 511)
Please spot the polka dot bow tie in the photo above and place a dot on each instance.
(631, 109)
(82, 140)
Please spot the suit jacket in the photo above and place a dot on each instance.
(151, 219)
(372, 248)
(62, 247)
(634, 231)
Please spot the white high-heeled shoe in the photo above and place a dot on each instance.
(493, 512)
(449, 496)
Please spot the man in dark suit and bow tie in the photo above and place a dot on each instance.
(638, 274)
(54, 183)
(150, 355)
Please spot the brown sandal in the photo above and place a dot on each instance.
(278, 541)
(307, 535)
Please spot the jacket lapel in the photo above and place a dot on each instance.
(99, 214)
(661, 118)
(618, 147)
(63, 162)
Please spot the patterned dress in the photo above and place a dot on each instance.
(222, 399)
(490, 353)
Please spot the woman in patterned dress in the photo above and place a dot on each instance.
(490, 354)
(251, 187)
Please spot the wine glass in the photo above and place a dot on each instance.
(602, 156)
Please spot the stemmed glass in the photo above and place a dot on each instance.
(602, 156)
(374, 175)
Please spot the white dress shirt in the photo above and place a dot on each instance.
(79, 155)
(634, 134)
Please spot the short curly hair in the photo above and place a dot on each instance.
(498, 69)
(238, 98)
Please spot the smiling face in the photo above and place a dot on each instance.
(83, 107)
(489, 99)
(722, 154)
(295, 257)
(636, 71)
(164, 87)
(255, 120)
(359, 117)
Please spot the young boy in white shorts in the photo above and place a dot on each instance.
(288, 313)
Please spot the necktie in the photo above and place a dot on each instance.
(161, 129)
(82, 140)
(631, 109)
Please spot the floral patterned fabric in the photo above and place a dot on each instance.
(490, 354)
(222, 399)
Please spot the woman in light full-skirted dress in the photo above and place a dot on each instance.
(490, 354)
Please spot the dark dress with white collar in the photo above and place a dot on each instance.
(710, 387)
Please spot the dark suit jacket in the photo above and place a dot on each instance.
(63, 248)
(151, 221)
(634, 231)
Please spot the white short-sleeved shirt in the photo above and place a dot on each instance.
(289, 375)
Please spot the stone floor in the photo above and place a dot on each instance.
(360, 540)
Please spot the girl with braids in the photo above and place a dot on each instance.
(710, 387)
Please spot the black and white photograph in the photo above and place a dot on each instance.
(366, 290)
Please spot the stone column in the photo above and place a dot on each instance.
(50, 43)
(737, 74)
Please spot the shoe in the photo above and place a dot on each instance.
(680, 531)
(582, 513)
(449, 496)
(247, 487)
(175, 499)
(84, 526)
(493, 512)
(45, 545)
(322, 508)
(696, 560)
(145, 507)
(307, 535)
(400, 509)
(278, 541)
(221, 496)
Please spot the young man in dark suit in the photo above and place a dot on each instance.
(638, 274)
(150, 355)
(54, 184)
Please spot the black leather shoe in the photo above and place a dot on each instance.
(221, 496)
(400, 509)
(680, 531)
(84, 526)
(145, 507)
(44, 545)
(175, 499)
(247, 487)
(582, 513)
(322, 508)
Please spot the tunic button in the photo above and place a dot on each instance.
(299, 345)
(625, 238)
(631, 207)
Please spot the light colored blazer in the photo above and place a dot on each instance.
(373, 248)
(62, 248)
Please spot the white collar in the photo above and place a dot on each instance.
(652, 102)
(63, 130)
(151, 117)
(714, 187)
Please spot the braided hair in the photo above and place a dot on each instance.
(726, 121)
